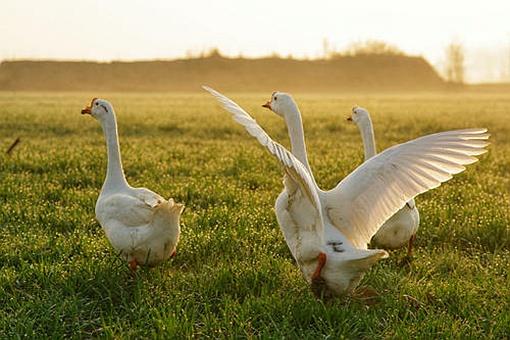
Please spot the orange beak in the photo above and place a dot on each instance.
(267, 105)
(88, 109)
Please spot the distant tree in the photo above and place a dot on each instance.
(455, 63)
(213, 53)
(275, 55)
(192, 54)
(326, 48)
(507, 64)
(371, 47)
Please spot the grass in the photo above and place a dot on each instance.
(233, 275)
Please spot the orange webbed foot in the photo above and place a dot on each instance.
(133, 265)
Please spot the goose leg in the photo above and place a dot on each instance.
(318, 284)
(410, 246)
(174, 254)
(366, 295)
(322, 261)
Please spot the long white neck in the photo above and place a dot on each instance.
(114, 174)
(367, 135)
(297, 137)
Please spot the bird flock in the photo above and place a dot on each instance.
(334, 235)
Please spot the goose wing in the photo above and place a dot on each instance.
(125, 209)
(379, 187)
(293, 167)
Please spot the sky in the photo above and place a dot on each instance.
(107, 30)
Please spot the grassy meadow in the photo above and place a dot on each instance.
(233, 275)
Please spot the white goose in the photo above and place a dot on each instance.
(401, 228)
(327, 231)
(140, 224)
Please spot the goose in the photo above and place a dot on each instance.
(141, 225)
(327, 232)
(400, 229)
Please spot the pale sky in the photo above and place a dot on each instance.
(135, 29)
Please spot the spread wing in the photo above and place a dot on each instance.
(293, 167)
(378, 188)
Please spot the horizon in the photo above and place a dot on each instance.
(90, 30)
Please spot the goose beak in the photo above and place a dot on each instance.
(267, 105)
(86, 110)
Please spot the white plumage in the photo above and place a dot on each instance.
(328, 231)
(141, 225)
(400, 229)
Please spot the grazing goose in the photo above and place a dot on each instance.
(401, 228)
(327, 232)
(140, 224)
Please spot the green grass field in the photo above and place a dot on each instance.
(233, 275)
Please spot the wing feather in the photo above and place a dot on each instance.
(378, 188)
(293, 166)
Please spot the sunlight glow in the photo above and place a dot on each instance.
(135, 29)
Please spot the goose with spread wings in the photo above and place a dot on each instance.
(327, 232)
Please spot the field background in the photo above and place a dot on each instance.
(233, 274)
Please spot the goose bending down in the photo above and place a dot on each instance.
(401, 228)
(327, 232)
(140, 224)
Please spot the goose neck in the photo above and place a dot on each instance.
(297, 137)
(367, 135)
(114, 174)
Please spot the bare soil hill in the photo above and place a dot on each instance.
(346, 73)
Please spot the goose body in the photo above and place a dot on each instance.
(327, 232)
(141, 225)
(400, 229)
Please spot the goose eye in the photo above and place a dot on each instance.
(97, 103)
(275, 98)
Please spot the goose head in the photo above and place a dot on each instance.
(282, 104)
(99, 108)
(359, 116)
